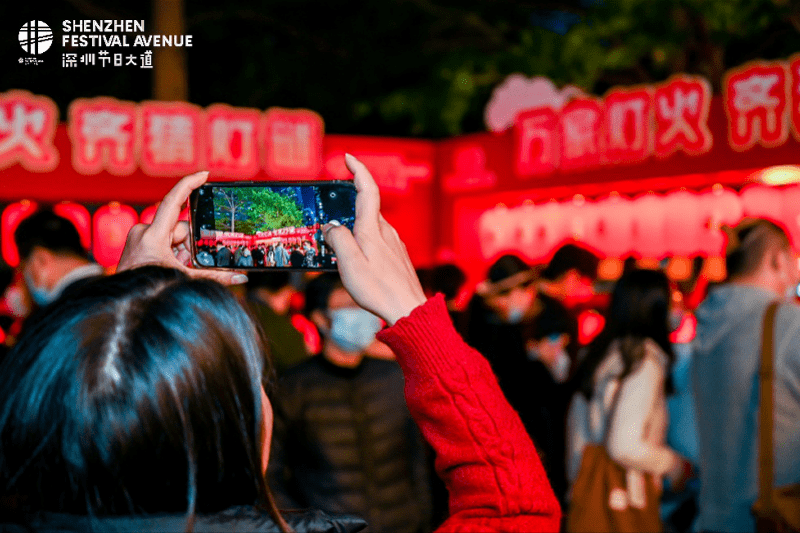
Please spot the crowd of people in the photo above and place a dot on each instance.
(382, 397)
(279, 254)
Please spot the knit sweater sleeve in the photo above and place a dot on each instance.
(493, 474)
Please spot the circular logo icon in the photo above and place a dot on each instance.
(35, 37)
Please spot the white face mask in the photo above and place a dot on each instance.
(353, 329)
(41, 296)
(560, 369)
(791, 292)
(515, 315)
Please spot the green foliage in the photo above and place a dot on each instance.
(230, 209)
(271, 210)
(255, 209)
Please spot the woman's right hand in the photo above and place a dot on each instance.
(373, 261)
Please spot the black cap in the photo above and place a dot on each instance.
(571, 256)
(49, 231)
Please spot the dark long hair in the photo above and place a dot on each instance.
(141, 393)
(639, 310)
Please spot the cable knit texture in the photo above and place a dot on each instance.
(493, 474)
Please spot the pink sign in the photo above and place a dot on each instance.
(27, 127)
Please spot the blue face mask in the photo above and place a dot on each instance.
(40, 296)
(353, 329)
(515, 315)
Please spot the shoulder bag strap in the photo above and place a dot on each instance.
(766, 398)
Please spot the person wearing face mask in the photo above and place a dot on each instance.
(762, 268)
(503, 316)
(52, 259)
(343, 439)
(567, 288)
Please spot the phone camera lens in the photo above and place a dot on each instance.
(332, 194)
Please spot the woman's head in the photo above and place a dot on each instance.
(640, 305)
(639, 310)
(141, 393)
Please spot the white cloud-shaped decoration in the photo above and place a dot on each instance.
(520, 93)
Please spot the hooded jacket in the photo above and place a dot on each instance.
(726, 387)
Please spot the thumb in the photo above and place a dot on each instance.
(344, 245)
(341, 240)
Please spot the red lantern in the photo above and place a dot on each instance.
(148, 214)
(648, 221)
(549, 231)
(613, 228)
(761, 201)
(111, 225)
(721, 207)
(790, 213)
(12, 216)
(581, 217)
(80, 218)
(683, 223)
(526, 218)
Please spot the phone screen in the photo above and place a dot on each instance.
(259, 226)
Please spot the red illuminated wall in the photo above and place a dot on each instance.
(651, 208)
(443, 196)
(404, 170)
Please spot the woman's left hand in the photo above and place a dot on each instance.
(166, 241)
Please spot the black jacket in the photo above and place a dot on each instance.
(235, 519)
(344, 442)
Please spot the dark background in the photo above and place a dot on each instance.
(422, 68)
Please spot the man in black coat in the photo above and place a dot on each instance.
(296, 257)
(258, 255)
(343, 439)
(224, 255)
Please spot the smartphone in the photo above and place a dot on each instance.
(268, 225)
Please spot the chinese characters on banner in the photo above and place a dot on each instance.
(162, 138)
(756, 104)
(293, 141)
(761, 100)
(627, 126)
(103, 134)
(681, 116)
(27, 128)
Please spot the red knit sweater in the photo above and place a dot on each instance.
(493, 474)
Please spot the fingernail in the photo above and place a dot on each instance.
(238, 279)
(334, 223)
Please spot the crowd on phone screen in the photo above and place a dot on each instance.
(344, 440)
(305, 254)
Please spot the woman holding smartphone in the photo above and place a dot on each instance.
(123, 414)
